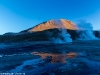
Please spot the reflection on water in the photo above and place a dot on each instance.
(55, 58)
(78, 66)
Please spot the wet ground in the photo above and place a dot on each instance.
(77, 58)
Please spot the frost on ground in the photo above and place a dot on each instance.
(26, 64)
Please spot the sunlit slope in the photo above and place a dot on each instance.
(52, 24)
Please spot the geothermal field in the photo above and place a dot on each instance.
(56, 47)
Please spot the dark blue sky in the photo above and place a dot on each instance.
(16, 15)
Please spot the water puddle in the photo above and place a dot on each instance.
(55, 58)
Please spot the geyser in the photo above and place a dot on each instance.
(85, 31)
(63, 36)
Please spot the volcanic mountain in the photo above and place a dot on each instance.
(52, 24)
(49, 30)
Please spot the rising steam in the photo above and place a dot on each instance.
(63, 36)
(85, 30)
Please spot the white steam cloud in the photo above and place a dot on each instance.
(63, 36)
(85, 30)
